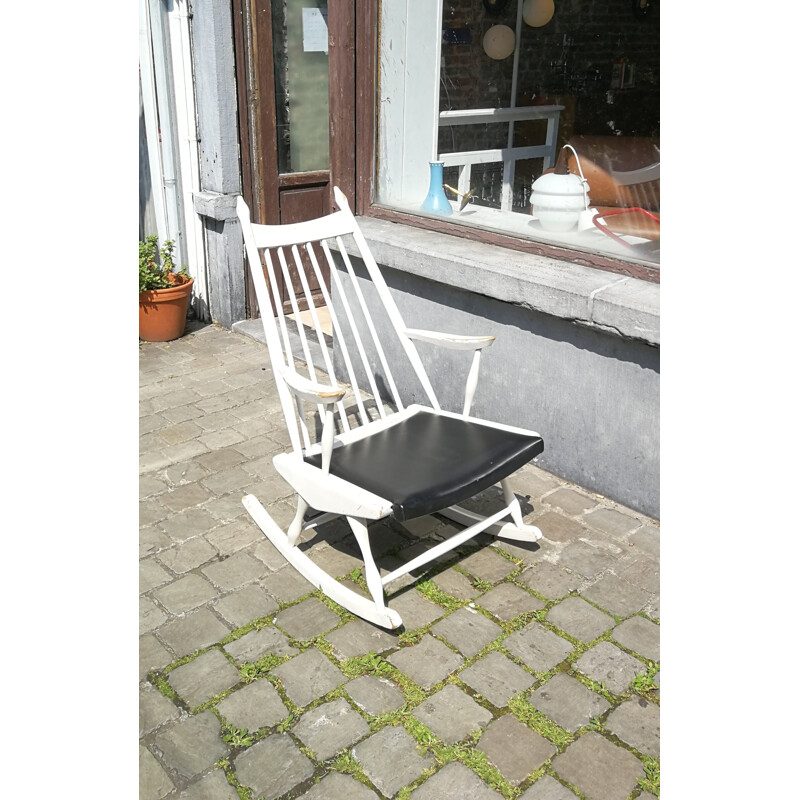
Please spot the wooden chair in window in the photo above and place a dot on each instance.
(375, 457)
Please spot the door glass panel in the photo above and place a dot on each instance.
(300, 47)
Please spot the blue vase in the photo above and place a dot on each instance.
(436, 202)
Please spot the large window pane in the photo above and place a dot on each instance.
(588, 77)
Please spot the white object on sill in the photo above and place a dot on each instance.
(559, 198)
(558, 201)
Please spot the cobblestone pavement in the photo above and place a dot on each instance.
(527, 672)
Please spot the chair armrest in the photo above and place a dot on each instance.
(311, 390)
(450, 340)
(456, 342)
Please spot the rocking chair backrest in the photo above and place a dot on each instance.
(280, 243)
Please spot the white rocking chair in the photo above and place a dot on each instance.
(410, 460)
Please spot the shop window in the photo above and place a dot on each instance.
(495, 90)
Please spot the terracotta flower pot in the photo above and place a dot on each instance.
(162, 312)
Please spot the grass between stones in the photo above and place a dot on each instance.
(652, 779)
(644, 684)
(374, 664)
(539, 723)
(433, 593)
(345, 763)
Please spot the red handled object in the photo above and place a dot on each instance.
(621, 211)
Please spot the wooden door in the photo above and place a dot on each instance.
(296, 87)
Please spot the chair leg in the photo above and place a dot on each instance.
(370, 610)
(512, 502)
(516, 529)
(296, 527)
(371, 572)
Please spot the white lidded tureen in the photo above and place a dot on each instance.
(559, 197)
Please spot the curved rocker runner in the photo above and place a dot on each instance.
(377, 457)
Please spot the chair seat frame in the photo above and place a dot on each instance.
(317, 489)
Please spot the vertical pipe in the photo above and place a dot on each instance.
(151, 117)
(437, 82)
(186, 123)
(164, 97)
(507, 197)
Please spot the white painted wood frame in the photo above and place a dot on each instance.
(409, 118)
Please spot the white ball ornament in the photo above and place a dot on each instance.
(498, 42)
(537, 12)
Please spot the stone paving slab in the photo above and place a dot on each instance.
(256, 705)
(259, 643)
(192, 744)
(205, 676)
(308, 677)
(208, 434)
(358, 638)
(374, 695)
(390, 774)
(610, 666)
(507, 601)
(213, 786)
(187, 556)
(647, 540)
(287, 585)
(273, 766)
(152, 655)
(336, 786)
(154, 709)
(612, 521)
(571, 501)
(329, 728)
(643, 572)
(467, 630)
(154, 782)
(568, 702)
(457, 585)
(600, 769)
(587, 559)
(497, 678)
(548, 788)
(549, 580)
(150, 615)
(641, 636)
(194, 631)
(514, 748)
(637, 723)
(307, 620)
(454, 782)
(451, 714)
(151, 575)
(415, 610)
(245, 605)
(557, 527)
(235, 571)
(538, 647)
(185, 594)
(487, 565)
(579, 619)
(616, 596)
(426, 663)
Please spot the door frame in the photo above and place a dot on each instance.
(351, 44)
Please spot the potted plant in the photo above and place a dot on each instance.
(163, 292)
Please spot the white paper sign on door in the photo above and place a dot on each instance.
(315, 30)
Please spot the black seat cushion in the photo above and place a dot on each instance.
(428, 462)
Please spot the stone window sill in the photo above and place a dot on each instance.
(620, 305)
